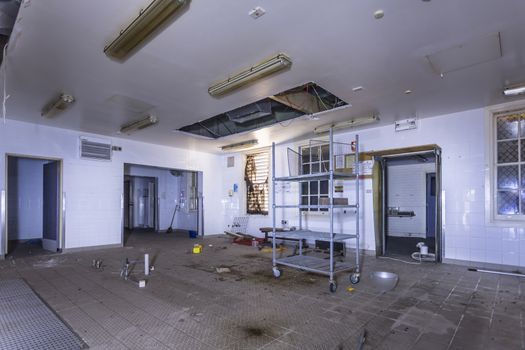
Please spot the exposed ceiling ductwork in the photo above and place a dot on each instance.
(306, 99)
(8, 13)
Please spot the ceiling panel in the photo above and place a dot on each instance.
(56, 47)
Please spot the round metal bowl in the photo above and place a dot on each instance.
(384, 280)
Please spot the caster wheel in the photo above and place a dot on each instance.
(333, 287)
(276, 272)
(355, 278)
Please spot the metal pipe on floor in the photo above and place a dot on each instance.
(498, 272)
(146, 264)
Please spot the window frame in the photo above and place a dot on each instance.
(491, 186)
(320, 161)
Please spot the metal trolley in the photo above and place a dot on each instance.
(327, 171)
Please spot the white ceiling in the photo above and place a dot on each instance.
(57, 45)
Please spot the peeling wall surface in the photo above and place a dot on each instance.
(93, 189)
(469, 233)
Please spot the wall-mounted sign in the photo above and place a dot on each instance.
(405, 124)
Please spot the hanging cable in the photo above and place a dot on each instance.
(6, 96)
(320, 99)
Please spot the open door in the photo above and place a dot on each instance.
(387, 210)
(51, 206)
(431, 204)
(200, 205)
(440, 248)
(128, 205)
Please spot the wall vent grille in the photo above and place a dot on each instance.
(90, 149)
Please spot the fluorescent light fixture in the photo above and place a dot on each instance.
(57, 105)
(273, 65)
(240, 145)
(352, 123)
(157, 13)
(139, 124)
(514, 90)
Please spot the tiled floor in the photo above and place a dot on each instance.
(188, 305)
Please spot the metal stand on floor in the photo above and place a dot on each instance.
(311, 263)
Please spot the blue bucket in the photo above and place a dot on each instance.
(192, 234)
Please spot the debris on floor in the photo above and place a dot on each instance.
(432, 306)
(245, 239)
(47, 263)
(125, 270)
(362, 339)
(97, 264)
(223, 269)
(279, 249)
(197, 249)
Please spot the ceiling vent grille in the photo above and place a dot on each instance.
(94, 149)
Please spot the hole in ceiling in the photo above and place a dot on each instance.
(8, 12)
(306, 99)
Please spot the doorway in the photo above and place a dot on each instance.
(408, 202)
(161, 200)
(34, 187)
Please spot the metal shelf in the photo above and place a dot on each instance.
(306, 206)
(313, 264)
(327, 266)
(315, 235)
(316, 176)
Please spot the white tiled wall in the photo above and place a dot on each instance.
(93, 189)
(468, 234)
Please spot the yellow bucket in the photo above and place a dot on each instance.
(197, 249)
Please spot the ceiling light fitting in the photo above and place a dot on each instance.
(57, 105)
(317, 115)
(352, 123)
(240, 145)
(142, 27)
(379, 14)
(263, 69)
(257, 12)
(514, 90)
(139, 124)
